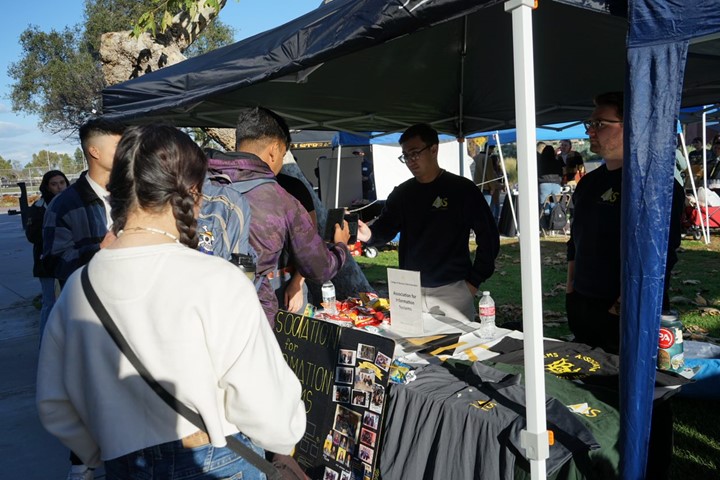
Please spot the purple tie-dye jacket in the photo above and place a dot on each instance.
(276, 218)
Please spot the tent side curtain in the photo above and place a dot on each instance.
(658, 22)
(657, 50)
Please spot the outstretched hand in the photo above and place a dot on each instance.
(364, 233)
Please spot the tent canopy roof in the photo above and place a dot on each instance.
(351, 65)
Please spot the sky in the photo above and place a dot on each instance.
(20, 135)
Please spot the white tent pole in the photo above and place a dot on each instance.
(535, 438)
(337, 176)
(496, 135)
(706, 230)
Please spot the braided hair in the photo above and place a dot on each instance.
(157, 165)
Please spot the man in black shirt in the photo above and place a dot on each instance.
(434, 213)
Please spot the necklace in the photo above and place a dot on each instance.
(151, 230)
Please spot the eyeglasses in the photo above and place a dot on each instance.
(405, 157)
(598, 124)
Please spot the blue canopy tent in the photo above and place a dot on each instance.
(423, 61)
(557, 131)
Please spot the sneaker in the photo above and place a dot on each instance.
(87, 474)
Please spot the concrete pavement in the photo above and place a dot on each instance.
(27, 451)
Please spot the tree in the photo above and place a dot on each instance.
(5, 164)
(60, 75)
(45, 160)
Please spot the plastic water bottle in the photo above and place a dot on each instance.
(328, 297)
(486, 310)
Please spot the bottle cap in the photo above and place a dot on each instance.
(485, 292)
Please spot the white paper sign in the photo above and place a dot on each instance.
(405, 302)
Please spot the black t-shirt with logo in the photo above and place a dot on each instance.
(595, 234)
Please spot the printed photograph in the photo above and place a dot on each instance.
(345, 475)
(344, 374)
(377, 398)
(341, 394)
(366, 352)
(371, 420)
(360, 398)
(383, 361)
(368, 437)
(340, 455)
(366, 453)
(364, 380)
(346, 357)
(347, 422)
(330, 474)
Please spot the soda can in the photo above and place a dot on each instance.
(671, 356)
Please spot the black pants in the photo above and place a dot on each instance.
(591, 323)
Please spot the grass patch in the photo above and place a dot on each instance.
(695, 281)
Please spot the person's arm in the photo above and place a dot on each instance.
(34, 225)
(67, 247)
(387, 224)
(487, 238)
(55, 410)
(313, 258)
(570, 277)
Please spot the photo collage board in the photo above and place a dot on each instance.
(344, 393)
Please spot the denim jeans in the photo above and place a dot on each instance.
(48, 300)
(546, 189)
(170, 461)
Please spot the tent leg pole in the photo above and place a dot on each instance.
(535, 438)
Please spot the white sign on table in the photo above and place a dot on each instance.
(405, 302)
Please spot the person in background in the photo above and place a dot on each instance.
(488, 177)
(573, 166)
(278, 221)
(434, 212)
(696, 155)
(549, 172)
(368, 177)
(53, 182)
(294, 296)
(77, 223)
(208, 342)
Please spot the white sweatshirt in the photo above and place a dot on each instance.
(196, 323)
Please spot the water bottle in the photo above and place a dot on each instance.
(486, 311)
(328, 297)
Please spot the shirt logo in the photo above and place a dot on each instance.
(610, 196)
(440, 202)
(584, 410)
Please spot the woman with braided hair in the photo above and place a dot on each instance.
(193, 320)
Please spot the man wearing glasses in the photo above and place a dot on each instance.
(593, 281)
(594, 271)
(434, 213)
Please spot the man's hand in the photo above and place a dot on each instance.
(364, 233)
(294, 293)
(109, 238)
(473, 289)
(342, 234)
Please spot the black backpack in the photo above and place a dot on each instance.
(558, 217)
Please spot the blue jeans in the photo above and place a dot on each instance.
(48, 300)
(546, 189)
(170, 461)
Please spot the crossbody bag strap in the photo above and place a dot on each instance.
(193, 417)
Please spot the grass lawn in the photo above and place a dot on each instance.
(695, 293)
